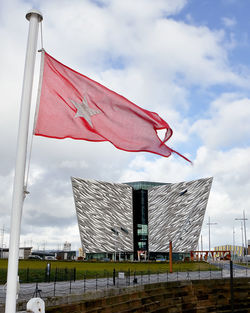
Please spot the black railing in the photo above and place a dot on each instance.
(29, 275)
(60, 282)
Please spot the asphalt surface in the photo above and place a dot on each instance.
(226, 266)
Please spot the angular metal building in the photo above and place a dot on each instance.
(130, 220)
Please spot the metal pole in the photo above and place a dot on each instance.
(242, 238)
(209, 224)
(231, 286)
(245, 231)
(244, 221)
(34, 17)
(233, 243)
(209, 233)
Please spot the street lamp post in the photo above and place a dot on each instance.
(242, 237)
(244, 223)
(233, 243)
(209, 240)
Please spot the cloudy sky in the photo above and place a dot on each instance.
(187, 60)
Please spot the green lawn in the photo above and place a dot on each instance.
(35, 270)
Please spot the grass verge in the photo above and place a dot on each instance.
(35, 270)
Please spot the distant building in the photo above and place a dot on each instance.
(136, 220)
(65, 255)
(24, 252)
(66, 246)
(58, 254)
(237, 251)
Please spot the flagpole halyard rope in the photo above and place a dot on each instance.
(31, 142)
(28, 168)
(41, 32)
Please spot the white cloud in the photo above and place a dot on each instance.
(229, 194)
(228, 123)
(156, 169)
(140, 50)
(145, 41)
(195, 54)
(141, 9)
(229, 22)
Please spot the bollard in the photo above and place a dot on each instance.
(135, 279)
(47, 272)
(35, 305)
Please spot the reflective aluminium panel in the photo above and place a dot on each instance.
(176, 212)
(105, 215)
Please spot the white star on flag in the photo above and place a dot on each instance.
(83, 110)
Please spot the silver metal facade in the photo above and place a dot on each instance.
(176, 212)
(100, 207)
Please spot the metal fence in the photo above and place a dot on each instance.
(37, 275)
(118, 280)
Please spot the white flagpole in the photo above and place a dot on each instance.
(34, 17)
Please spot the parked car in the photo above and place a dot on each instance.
(160, 258)
(50, 257)
(34, 257)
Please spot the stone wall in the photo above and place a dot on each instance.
(183, 296)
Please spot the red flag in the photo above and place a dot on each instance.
(74, 106)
